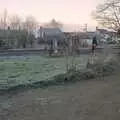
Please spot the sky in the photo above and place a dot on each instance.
(66, 11)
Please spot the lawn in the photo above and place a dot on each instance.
(24, 70)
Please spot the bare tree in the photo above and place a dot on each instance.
(31, 39)
(15, 22)
(108, 14)
(4, 20)
(54, 23)
(1, 22)
(30, 23)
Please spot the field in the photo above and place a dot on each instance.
(25, 70)
(94, 99)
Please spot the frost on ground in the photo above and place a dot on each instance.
(34, 71)
(16, 71)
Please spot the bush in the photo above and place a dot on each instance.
(96, 70)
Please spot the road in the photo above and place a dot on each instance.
(21, 52)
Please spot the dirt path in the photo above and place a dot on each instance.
(85, 100)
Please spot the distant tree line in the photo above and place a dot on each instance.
(18, 33)
(16, 39)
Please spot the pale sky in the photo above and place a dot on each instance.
(66, 11)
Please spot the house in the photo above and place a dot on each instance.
(109, 36)
(50, 38)
(79, 39)
(86, 38)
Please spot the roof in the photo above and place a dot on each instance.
(82, 35)
(104, 31)
(86, 35)
(89, 34)
(52, 31)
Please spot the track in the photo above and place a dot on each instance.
(21, 52)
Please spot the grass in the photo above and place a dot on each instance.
(16, 71)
